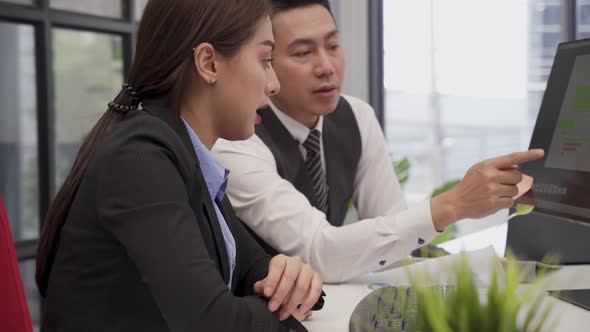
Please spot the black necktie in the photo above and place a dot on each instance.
(313, 164)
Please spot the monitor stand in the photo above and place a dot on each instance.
(534, 236)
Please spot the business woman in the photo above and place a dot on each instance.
(141, 236)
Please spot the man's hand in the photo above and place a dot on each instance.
(487, 187)
(290, 284)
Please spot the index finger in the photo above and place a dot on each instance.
(258, 286)
(315, 291)
(275, 272)
(516, 158)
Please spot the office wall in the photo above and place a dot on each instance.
(352, 20)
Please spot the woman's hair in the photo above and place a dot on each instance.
(163, 63)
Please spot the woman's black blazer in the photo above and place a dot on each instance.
(142, 249)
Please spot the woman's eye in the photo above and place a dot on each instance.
(267, 63)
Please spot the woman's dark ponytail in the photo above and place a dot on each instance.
(127, 100)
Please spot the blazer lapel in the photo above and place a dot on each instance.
(162, 110)
(209, 211)
(229, 216)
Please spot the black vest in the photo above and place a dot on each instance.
(342, 151)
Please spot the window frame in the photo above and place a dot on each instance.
(376, 66)
(43, 19)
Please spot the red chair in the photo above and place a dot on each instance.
(14, 311)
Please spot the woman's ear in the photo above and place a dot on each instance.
(204, 62)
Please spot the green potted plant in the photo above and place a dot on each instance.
(464, 309)
(503, 306)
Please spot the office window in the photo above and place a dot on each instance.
(19, 176)
(463, 82)
(547, 12)
(88, 69)
(27, 271)
(110, 8)
(44, 110)
(583, 19)
(20, 2)
(139, 7)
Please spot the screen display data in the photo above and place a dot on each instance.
(570, 144)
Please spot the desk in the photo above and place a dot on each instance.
(341, 299)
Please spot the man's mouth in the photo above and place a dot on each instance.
(326, 91)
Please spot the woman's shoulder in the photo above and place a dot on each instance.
(142, 135)
(141, 126)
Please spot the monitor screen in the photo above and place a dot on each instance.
(562, 178)
(561, 189)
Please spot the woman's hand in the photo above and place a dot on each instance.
(301, 317)
(290, 284)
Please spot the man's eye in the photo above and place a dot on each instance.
(302, 53)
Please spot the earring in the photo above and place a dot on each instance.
(212, 80)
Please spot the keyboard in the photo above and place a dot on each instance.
(379, 312)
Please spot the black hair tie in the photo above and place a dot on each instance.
(135, 101)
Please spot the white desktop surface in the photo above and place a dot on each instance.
(342, 299)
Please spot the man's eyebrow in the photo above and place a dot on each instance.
(301, 41)
(309, 41)
(331, 34)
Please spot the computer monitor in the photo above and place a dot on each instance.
(560, 223)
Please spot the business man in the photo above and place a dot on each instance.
(316, 149)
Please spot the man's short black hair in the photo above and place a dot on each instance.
(283, 5)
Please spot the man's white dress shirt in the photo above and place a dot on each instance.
(283, 217)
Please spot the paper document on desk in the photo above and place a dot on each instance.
(482, 263)
(555, 277)
(565, 278)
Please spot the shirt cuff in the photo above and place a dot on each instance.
(414, 229)
(416, 225)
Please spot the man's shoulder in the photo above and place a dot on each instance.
(222, 144)
(363, 112)
(253, 146)
(357, 104)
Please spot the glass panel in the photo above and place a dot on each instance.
(111, 8)
(139, 7)
(19, 170)
(88, 69)
(20, 2)
(463, 88)
(27, 271)
(583, 19)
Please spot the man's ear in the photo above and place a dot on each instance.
(204, 62)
